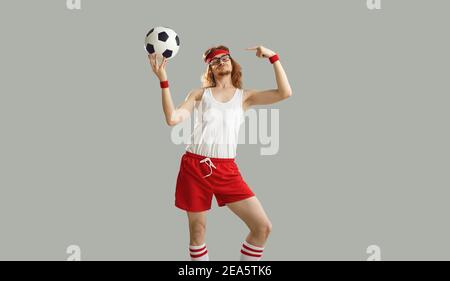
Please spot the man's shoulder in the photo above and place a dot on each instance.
(197, 93)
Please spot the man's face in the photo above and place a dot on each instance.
(221, 65)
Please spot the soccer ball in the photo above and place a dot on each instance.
(162, 41)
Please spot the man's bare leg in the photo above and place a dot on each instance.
(252, 213)
(197, 233)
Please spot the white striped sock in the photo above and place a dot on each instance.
(198, 253)
(251, 252)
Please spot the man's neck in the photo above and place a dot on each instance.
(224, 82)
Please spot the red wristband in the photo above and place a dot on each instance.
(274, 58)
(164, 84)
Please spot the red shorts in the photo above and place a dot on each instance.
(201, 177)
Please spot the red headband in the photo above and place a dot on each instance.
(215, 53)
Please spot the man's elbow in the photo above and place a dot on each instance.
(286, 94)
(171, 123)
(177, 117)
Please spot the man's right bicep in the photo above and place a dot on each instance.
(190, 100)
(185, 109)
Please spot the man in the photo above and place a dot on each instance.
(208, 168)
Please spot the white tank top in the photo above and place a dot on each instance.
(216, 127)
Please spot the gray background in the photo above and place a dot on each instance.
(86, 158)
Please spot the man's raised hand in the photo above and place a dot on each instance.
(261, 51)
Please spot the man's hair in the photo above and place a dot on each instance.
(207, 78)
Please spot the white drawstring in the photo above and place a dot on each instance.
(210, 164)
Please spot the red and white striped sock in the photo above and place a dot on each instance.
(198, 253)
(250, 252)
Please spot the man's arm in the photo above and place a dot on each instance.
(183, 111)
(173, 115)
(283, 91)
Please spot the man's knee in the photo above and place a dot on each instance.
(263, 229)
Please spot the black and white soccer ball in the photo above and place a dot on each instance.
(162, 41)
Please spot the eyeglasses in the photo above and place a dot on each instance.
(216, 61)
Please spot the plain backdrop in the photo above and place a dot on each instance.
(86, 158)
